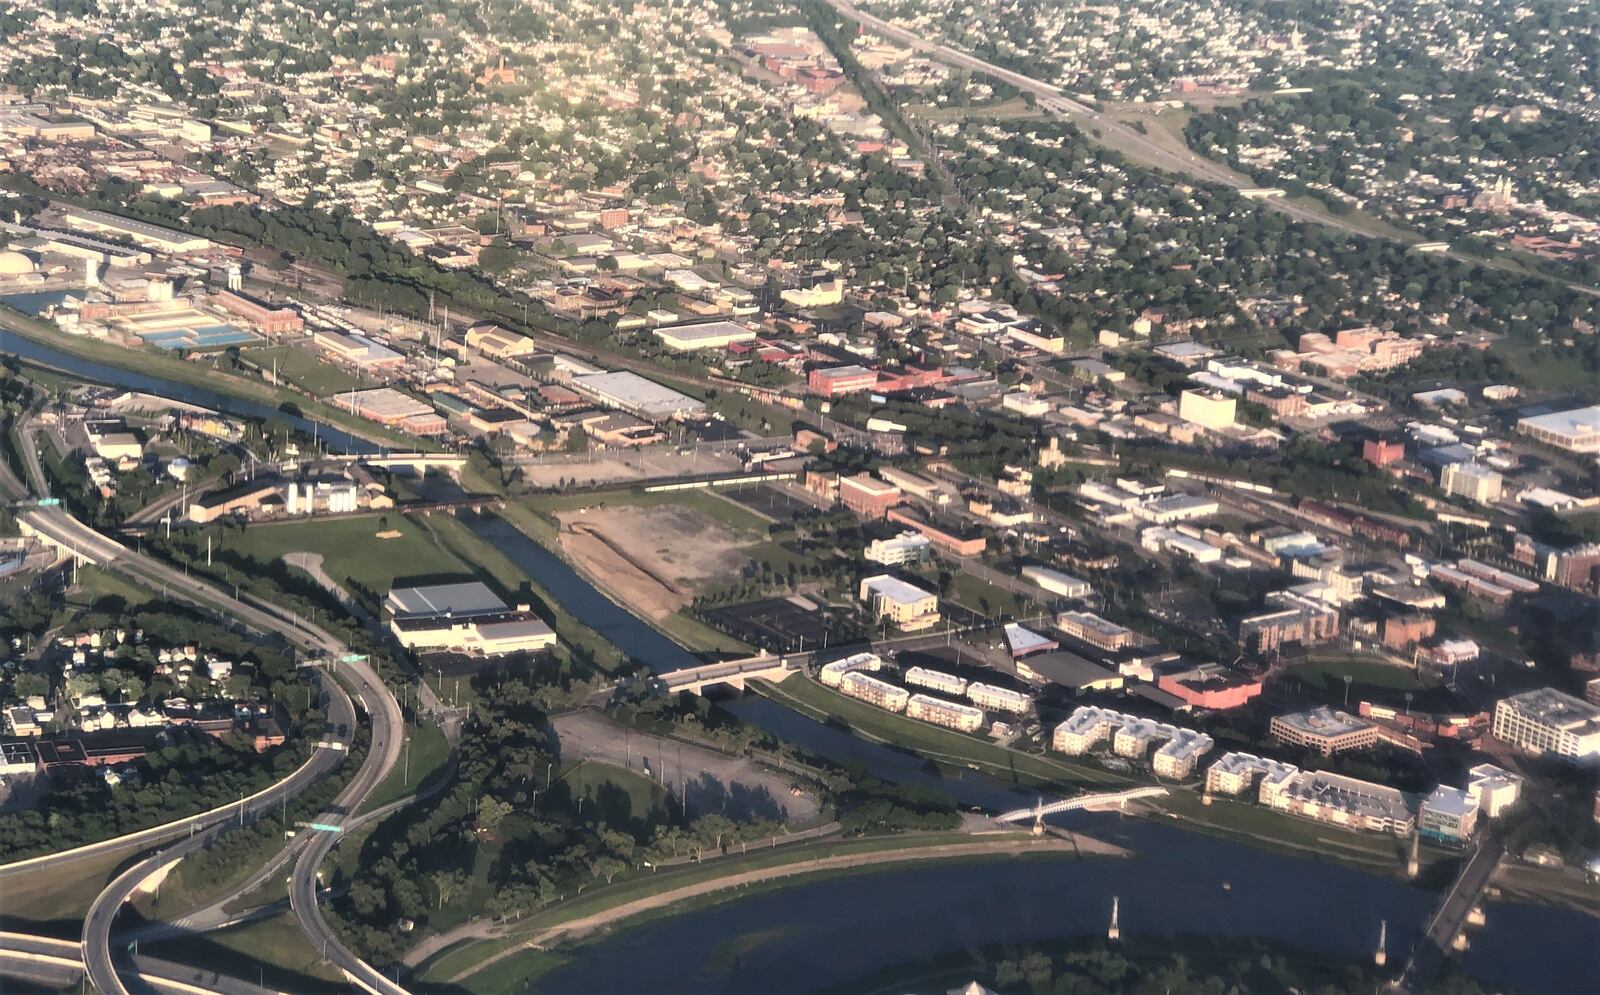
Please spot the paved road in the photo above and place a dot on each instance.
(369, 690)
(705, 776)
(56, 964)
(1433, 948)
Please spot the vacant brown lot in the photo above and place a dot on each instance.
(653, 558)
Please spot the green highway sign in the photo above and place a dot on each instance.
(323, 827)
(352, 658)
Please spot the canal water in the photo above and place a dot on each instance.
(831, 932)
(337, 439)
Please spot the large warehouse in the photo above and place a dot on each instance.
(1577, 430)
(634, 394)
(706, 335)
(464, 618)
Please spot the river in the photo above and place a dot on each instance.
(337, 439)
(831, 932)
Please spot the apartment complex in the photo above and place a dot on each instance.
(873, 691)
(950, 714)
(1132, 737)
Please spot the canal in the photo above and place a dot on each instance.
(337, 439)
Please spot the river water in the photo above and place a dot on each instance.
(337, 439)
(830, 932)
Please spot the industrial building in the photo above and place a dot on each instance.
(867, 496)
(1576, 430)
(636, 395)
(464, 618)
(1547, 722)
(1060, 584)
(706, 335)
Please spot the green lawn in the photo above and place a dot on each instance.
(981, 596)
(428, 752)
(95, 584)
(944, 745)
(698, 637)
(272, 951)
(598, 782)
(1540, 367)
(59, 894)
(300, 367)
(1330, 672)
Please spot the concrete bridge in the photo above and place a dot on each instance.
(1460, 907)
(419, 462)
(732, 673)
(1109, 799)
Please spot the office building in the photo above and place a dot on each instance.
(1210, 409)
(835, 381)
(1324, 729)
(907, 547)
(1495, 789)
(1448, 814)
(1472, 481)
(1547, 722)
(906, 605)
(1340, 801)
(1094, 630)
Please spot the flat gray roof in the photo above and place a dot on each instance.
(463, 599)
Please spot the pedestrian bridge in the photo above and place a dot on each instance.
(1111, 799)
(417, 462)
(733, 673)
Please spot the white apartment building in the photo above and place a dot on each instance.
(874, 692)
(998, 699)
(950, 714)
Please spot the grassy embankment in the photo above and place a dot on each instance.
(504, 965)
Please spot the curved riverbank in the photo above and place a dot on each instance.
(583, 926)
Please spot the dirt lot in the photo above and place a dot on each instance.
(587, 470)
(652, 558)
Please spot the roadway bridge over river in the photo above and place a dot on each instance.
(733, 673)
(1460, 907)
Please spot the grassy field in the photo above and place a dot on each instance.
(429, 752)
(61, 894)
(1540, 367)
(353, 555)
(944, 745)
(1014, 109)
(95, 584)
(704, 501)
(299, 367)
(594, 781)
(981, 596)
(270, 951)
(698, 637)
(1330, 672)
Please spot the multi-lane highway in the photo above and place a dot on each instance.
(61, 529)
